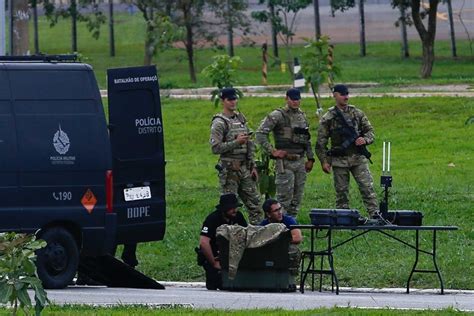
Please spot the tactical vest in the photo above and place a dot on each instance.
(294, 135)
(233, 127)
(337, 128)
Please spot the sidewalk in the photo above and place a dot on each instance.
(368, 89)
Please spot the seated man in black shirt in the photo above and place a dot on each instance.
(226, 213)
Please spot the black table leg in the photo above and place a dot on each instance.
(435, 264)
(331, 264)
(417, 249)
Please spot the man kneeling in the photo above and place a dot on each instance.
(226, 213)
(274, 214)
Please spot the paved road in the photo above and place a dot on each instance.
(199, 297)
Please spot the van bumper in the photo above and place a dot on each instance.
(92, 237)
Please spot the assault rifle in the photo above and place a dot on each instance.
(351, 135)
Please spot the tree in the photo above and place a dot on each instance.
(19, 33)
(231, 13)
(160, 32)
(189, 14)
(222, 74)
(318, 66)
(427, 34)
(343, 5)
(93, 21)
(402, 22)
(284, 21)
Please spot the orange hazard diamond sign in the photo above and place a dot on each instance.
(89, 201)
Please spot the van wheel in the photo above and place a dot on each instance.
(57, 262)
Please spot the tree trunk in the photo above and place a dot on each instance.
(403, 30)
(451, 28)
(2, 28)
(274, 32)
(427, 36)
(111, 29)
(74, 26)
(428, 60)
(190, 51)
(317, 19)
(230, 32)
(149, 47)
(20, 39)
(34, 5)
(362, 28)
(230, 41)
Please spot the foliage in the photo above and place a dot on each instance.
(18, 272)
(341, 5)
(318, 67)
(222, 74)
(177, 310)
(93, 21)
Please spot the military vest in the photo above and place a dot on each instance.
(234, 126)
(294, 135)
(337, 130)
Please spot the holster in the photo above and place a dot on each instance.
(280, 167)
(232, 164)
(201, 259)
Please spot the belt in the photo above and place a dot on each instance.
(293, 157)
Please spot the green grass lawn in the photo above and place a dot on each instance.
(382, 64)
(433, 171)
(172, 311)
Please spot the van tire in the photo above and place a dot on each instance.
(57, 263)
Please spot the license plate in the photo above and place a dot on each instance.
(138, 193)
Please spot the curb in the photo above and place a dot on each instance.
(199, 285)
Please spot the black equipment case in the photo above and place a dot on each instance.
(261, 269)
(405, 218)
(334, 217)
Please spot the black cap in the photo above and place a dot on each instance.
(342, 89)
(228, 201)
(228, 93)
(294, 94)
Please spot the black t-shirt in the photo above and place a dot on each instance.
(216, 219)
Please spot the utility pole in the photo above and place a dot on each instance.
(2, 28)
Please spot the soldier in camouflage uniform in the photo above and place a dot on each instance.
(345, 158)
(292, 145)
(230, 138)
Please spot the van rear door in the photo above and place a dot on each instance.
(136, 133)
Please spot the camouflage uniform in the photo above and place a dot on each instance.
(290, 174)
(236, 161)
(351, 161)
